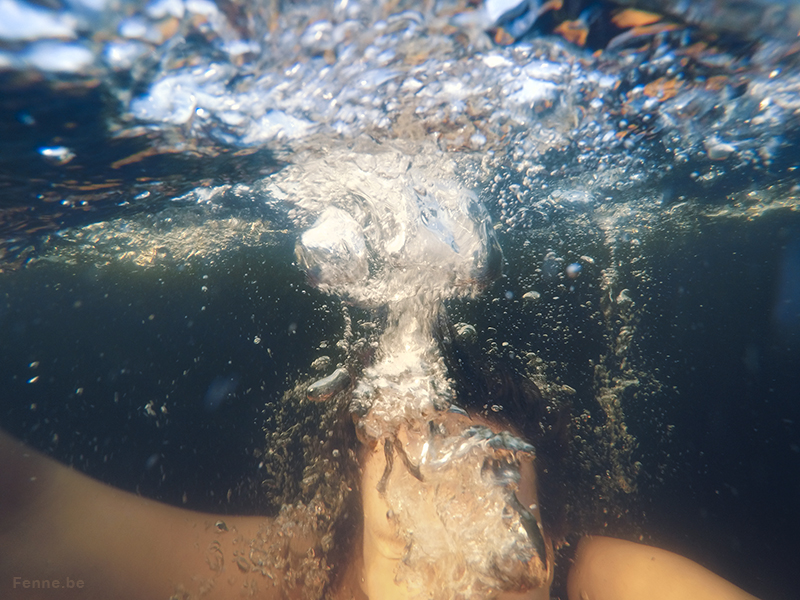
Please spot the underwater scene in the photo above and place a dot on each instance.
(428, 292)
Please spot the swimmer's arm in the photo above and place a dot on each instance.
(610, 569)
(56, 523)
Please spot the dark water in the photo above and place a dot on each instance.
(109, 176)
(89, 349)
(160, 380)
(718, 439)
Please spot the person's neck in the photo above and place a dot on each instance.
(349, 585)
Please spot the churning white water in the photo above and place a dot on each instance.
(387, 229)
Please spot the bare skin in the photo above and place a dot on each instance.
(56, 523)
(609, 569)
(62, 524)
(383, 549)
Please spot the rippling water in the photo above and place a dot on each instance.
(200, 201)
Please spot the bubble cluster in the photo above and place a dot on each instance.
(253, 75)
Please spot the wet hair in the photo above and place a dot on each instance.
(497, 390)
(312, 483)
(312, 457)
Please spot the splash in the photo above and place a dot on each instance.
(465, 532)
(399, 232)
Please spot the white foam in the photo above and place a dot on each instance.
(58, 57)
(418, 220)
(20, 21)
(335, 250)
(124, 54)
(158, 9)
(138, 27)
(202, 7)
(496, 10)
(496, 60)
(171, 100)
(530, 91)
(276, 125)
(462, 538)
